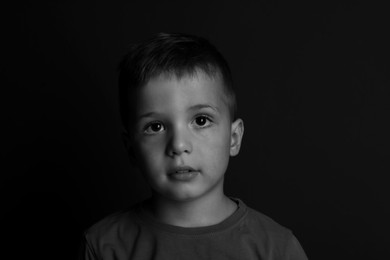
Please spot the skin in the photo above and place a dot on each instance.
(185, 122)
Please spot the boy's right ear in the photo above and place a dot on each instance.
(128, 144)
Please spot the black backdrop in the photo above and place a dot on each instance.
(313, 90)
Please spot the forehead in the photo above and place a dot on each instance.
(169, 92)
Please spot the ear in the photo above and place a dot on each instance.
(236, 135)
(128, 145)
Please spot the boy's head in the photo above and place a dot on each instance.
(178, 107)
(172, 54)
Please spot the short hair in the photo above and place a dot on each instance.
(177, 54)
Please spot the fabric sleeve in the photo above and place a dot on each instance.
(86, 252)
(294, 250)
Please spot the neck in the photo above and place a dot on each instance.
(195, 213)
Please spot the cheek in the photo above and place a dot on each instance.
(149, 152)
(218, 143)
(218, 157)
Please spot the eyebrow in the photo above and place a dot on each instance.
(202, 106)
(149, 114)
(192, 108)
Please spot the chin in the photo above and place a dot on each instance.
(183, 195)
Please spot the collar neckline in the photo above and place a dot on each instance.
(230, 221)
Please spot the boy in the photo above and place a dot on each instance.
(179, 114)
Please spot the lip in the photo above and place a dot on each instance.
(183, 173)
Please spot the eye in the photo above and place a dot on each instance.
(154, 127)
(202, 121)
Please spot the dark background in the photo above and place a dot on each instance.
(313, 89)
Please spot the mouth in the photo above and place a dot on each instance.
(183, 173)
(182, 169)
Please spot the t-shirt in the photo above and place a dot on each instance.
(134, 234)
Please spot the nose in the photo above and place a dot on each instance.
(179, 142)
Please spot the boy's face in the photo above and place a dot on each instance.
(183, 135)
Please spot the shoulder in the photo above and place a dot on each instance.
(113, 226)
(259, 222)
(262, 222)
(278, 239)
(110, 234)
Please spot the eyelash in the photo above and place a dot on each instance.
(208, 118)
(149, 125)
